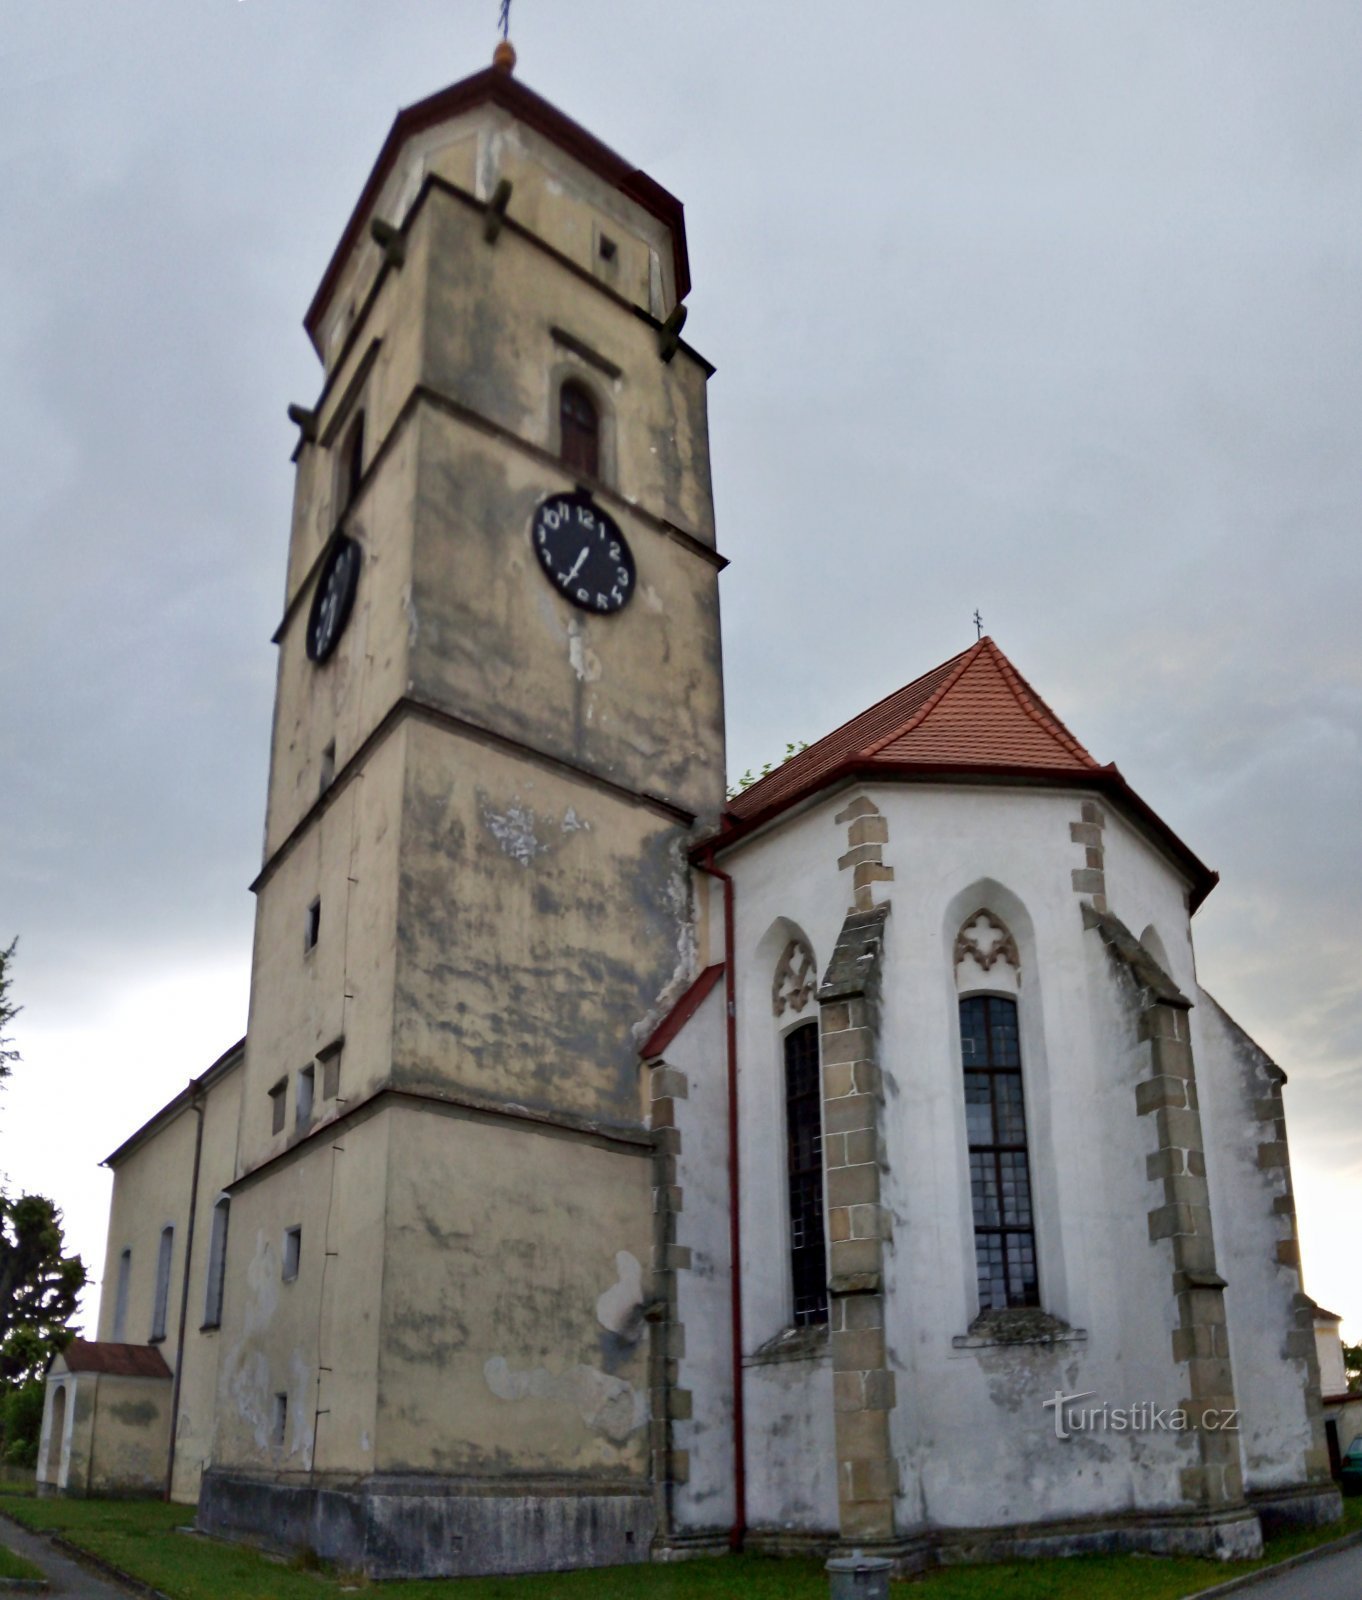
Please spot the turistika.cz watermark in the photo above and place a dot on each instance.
(1072, 1417)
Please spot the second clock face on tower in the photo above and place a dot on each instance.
(583, 553)
(333, 599)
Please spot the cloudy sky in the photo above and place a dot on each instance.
(1050, 309)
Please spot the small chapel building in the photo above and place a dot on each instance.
(616, 1170)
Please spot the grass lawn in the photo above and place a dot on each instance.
(12, 1566)
(139, 1537)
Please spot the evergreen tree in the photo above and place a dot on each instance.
(40, 1284)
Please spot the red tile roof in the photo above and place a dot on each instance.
(121, 1360)
(974, 716)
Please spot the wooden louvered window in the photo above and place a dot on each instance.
(804, 1143)
(579, 430)
(999, 1169)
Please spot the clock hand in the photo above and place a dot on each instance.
(576, 565)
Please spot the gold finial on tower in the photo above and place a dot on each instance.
(503, 57)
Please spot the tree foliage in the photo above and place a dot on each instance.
(39, 1287)
(40, 1284)
(1352, 1365)
(8, 1010)
(749, 777)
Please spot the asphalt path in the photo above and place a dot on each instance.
(1332, 1577)
(65, 1576)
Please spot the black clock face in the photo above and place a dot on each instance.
(583, 553)
(334, 597)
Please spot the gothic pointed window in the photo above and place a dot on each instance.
(804, 1144)
(999, 1169)
(579, 430)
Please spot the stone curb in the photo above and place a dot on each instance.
(1247, 1581)
(24, 1585)
(125, 1580)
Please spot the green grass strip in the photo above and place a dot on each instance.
(140, 1537)
(12, 1566)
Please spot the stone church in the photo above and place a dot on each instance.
(612, 1170)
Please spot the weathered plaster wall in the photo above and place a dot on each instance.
(974, 1443)
(199, 1369)
(150, 1192)
(633, 697)
(704, 1500)
(1271, 1325)
(561, 201)
(541, 921)
(130, 1435)
(277, 1335)
(341, 701)
(1333, 1375)
(513, 1338)
(303, 1001)
(377, 380)
(490, 344)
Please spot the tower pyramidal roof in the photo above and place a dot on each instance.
(975, 718)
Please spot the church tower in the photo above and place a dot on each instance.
(498, 724)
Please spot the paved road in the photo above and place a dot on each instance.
(1335, 1577)
(67, 1577)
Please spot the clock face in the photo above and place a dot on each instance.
(583, 553)
(334, 597)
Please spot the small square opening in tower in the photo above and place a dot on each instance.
(313, 930)
(307, 1080)
(280, 1418)
(328, 768)
(278, 1105)
(607, 247)
(293, 1252)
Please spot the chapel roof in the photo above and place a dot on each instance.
(119, 1360)
(974, 717)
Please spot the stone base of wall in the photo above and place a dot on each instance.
(1306, 1505)
(809, 1542)
(690, 1544)
(418, 1527)
(1233, 1534)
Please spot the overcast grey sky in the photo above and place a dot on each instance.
(1046, 308)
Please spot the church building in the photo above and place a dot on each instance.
(614, 1170)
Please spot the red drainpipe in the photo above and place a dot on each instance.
(738, 1532)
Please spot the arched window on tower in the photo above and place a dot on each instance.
(579, 430)
(350, 469)
(804, 1167)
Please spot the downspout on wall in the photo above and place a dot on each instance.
(738, 1532)
(196, 1105)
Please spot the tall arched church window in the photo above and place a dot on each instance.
(999, 1170)
(579, 430)
(161, 1304)
(804, 1166)
(120, 1326)
(217, 1263)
